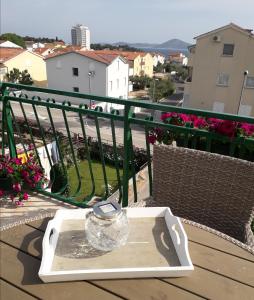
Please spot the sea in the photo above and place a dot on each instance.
(166, 51)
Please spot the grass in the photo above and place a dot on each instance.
(86, 182)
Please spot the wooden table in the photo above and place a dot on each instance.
(222, 271)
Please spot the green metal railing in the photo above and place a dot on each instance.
(17, 111)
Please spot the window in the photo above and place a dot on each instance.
(223, 79)
(117, 83)
(125, 81)
(75, 71)
(111, 85)
(76, 89)
(249, 82)
(228, 49)
(118, 65)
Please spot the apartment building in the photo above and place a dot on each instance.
(80, 36)
(221, 69)
(23, 59)
(88, 72)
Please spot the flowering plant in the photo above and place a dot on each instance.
(227, 128)
(20, 175)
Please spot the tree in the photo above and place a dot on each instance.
(161, 89)
(12, 37)
(16, 76)
(140, 82)
(25, 78)
(159, 68)
(13, 76)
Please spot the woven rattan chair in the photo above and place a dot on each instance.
(208, 188)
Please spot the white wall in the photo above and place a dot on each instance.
(118, 79)
(60, 76)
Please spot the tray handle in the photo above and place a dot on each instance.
(176, 232)
(50, 235)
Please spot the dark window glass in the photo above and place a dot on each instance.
(75, 71)
(76, 89)
(228, 49)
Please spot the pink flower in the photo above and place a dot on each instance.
(19, 203)
(1, 193)
(165, 116)
(185, 118)
(248, 128)
(227, 127)
(10, 170)
(18, 161)
(24, 174)
(200, 123)
(16, 187)
(152, 139)
(25, 196)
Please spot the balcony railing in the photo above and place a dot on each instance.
(122, 126)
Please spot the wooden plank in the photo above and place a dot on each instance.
(29, 240)
(211, 240)
(24, 237)
(213, 286)
(137, 289)
(22, 269)
(40, 224)
(222, 263)
(10, 292)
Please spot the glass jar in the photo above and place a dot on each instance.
(107, 226)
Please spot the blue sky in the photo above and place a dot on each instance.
(130, 20)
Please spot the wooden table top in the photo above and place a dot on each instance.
(222, 271)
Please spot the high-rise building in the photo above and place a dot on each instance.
(80, 36)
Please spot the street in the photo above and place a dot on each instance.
(138, 135)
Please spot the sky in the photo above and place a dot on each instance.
(153, 21)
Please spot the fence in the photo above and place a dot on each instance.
(65, 118)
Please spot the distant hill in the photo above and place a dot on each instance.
(174, 44)
(170, 44)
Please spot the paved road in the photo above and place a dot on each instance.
(74, 124)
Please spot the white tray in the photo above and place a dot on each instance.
(157, 246)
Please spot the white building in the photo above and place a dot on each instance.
(158, 58)
(80, 36)
(8, 44)
(89, 72)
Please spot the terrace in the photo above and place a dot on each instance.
(121, 168)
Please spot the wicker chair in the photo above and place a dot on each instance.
(208, 188)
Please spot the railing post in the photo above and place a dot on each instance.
(127, 147)
(7, 123)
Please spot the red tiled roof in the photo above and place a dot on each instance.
(8, 53)
(105, 58)
(128, 55)
(41, 50)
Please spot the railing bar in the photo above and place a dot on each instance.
(19, 132)
(208, 144)
(148, 151)
(136, 103)
(59, 151)
(88, 157)
(133, 172)
(31, 134)
(160, 107)
(73, 154)
(42, 135)
(116, 160)
(102, 157)
(127, 145)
